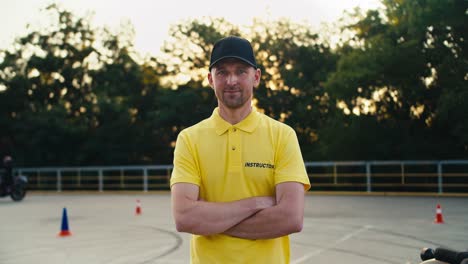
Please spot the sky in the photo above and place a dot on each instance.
(152, 19)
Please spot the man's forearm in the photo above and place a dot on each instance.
(286, 217)
(208, 218)
(268, 223)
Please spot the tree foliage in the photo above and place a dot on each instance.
(71, 94)
(406, 68)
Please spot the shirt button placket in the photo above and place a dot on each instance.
(234, 155)
(233, 147)
(235, 140)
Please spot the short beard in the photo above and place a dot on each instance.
(234, 103)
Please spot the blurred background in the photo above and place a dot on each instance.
(103, 83)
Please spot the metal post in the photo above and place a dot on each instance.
(38, 177)
(101, 180)
(122, 180)
(368, 176)
(439, 176)
(168, 177)
(59, 181)
(145, 180)
(78, 179)
(335, 180)
(402, 173)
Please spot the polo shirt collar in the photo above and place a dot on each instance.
(248, 124)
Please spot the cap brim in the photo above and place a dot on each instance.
(235, 57)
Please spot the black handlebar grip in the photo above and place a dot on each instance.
(427, 253)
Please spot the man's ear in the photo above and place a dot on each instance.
(258, 74)
(210, 79)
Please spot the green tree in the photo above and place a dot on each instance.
(294, 63)
(48, 100)
(405, 68)
(74, 95)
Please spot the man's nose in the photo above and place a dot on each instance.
(231, 79)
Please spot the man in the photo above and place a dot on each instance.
(239, 178)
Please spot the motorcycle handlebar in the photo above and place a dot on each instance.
(445, 255)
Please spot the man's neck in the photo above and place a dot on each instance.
(234, 116)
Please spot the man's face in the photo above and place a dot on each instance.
(233, 81)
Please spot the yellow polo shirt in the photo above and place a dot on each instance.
(232, 162)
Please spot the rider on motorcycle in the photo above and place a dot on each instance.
(8, 175)
(14, 186)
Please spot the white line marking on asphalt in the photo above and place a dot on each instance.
(337, 242)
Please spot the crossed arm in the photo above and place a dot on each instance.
(252, 218)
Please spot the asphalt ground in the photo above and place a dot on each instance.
(337, 229)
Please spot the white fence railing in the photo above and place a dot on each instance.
(445, 176)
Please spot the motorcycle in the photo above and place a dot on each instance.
(443, 256)
(16, 190)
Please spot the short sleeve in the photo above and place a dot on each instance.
(289, 165)
(185, 165)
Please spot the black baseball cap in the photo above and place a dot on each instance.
(232, 47)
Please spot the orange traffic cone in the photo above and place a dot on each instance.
(64, 230)
(138, 207)
(439, 219)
